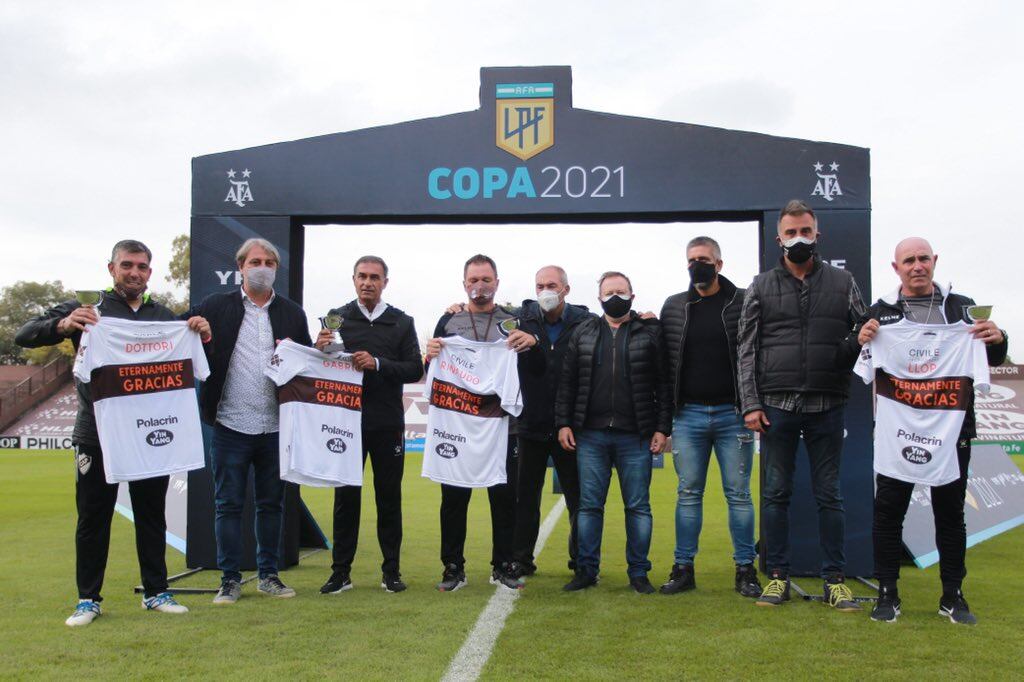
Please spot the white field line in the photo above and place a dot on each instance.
(476, 650)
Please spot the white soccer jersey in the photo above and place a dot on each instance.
(321, 403)
(142, 383)
(924, 377)
(472, 387)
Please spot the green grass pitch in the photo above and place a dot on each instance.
(604, 633)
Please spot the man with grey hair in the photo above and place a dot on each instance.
(240, 403)
(552, 319)
(382, 340)
(700, 327)
(127, 299)
(792, 388)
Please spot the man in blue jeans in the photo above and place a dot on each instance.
(793, 384)
(241, 404)
(699, 326)
(613, 407)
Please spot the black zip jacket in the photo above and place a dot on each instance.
(652, 390)
(225, 312)
(42, 331)
(674, 317)
(887, 310)
(391, 338)
(537, 421)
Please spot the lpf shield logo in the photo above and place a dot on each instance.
(525, 118)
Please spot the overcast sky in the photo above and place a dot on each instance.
(104, 104)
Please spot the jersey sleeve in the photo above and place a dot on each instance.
(979, 365)
(200, 365)
(284, 364)
(508, 388)
(86, 357)
(865, 367)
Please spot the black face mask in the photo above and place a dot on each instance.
(702, 274)
(800, 252)
(616, 307)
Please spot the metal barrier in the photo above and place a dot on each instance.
(17, 400)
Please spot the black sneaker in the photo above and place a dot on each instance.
(338, 582)
(522, 569)
(680, 579)
(747, 583)
(453, 578)
(838, 595)
(954, 607)
(501, 578)
(641, 585)
(776, 591)
(580, 582)
(887, 608)
(392, 582)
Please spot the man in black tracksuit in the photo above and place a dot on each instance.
(383, 342)
(481, 320)
(552, 320)
(94, 497)
(920, 300)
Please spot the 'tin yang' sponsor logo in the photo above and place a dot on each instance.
(159, 437)
(336, 445)
(447, 450)
(916, 455)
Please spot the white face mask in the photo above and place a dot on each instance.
(261, 277)
(790, 243)
(548, 300)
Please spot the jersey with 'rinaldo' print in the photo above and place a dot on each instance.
(142, 380)
(472, 387)
(924, 377)
(321, 403)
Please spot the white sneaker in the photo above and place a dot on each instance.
(164, 603)
(86, 612)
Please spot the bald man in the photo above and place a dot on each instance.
(919, 299)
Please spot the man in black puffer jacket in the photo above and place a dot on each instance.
(794, 318)
(614, 407)
(700, 328)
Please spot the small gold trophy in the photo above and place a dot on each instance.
(89, 297)
(333, 322)
(979, 313)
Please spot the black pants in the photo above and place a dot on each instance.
(892, 498)
(387, 456)
(455, 505)
(95, 499)
(533, 465)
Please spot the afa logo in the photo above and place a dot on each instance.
(239, 191)
(525, 118)
(827, 187)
